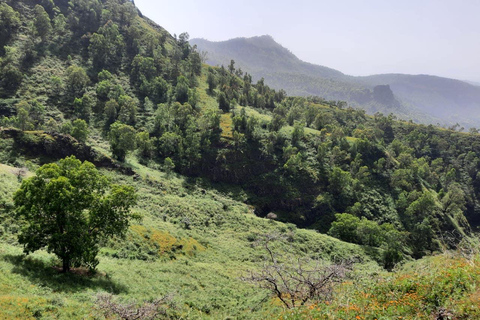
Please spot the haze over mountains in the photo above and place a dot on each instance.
(422, 98)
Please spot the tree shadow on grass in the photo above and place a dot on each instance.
(203, 184)
(44, 274)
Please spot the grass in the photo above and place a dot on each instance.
(31, 290)
(10, 177)
(194, 242)
(226, 124)
(38, 84)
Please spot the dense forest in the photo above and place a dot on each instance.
(207, 146)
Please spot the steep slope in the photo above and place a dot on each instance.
(423, 98)
(199, 264)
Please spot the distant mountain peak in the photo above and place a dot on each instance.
(266, 36)
(259, 53)
(264, 39)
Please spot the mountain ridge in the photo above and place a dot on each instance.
(424, 98)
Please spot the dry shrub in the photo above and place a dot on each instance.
(132, 310)
(297, 281)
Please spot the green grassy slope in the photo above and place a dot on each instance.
(213, 235)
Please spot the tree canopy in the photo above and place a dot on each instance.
(68, 208)
(122, 140)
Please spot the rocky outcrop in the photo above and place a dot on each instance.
(383, 94)
(56, 146)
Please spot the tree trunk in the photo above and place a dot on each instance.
(66, 265)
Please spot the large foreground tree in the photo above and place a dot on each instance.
(68, 208)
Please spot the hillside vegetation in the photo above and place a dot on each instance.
(220, 164)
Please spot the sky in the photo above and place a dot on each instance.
(357, 37)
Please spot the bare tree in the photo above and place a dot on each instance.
(299, 280)
(20, 173)
(203, 56)
(131, 310)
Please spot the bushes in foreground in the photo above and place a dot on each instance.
(439, 287)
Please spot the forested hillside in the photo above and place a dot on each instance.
(422, 98)
(233, 178)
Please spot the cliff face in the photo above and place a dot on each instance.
(383, 94)
(53, 146)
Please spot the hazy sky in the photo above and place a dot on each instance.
(357, 37)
